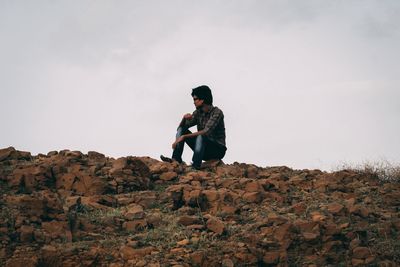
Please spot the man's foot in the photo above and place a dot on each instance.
(165, 159)
(195, 167)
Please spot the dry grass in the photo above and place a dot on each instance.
(166, 235)
(99, 216)
(384, 170)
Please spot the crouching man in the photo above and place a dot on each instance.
(209, 140)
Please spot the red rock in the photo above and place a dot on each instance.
(211, 195)
(65, 181)
(215, 225)
(361, 252)
(271, 257)
(227, 263)
(168, 176)
(22, 262)
(370, 260)
(128, 253)
(253, 197)
(26, 233)
(55, 229)
(253, 186)
(132, 226)
(228, 210)
(118, 165)
(335, 208)
(188, 220)
(317, 217)
(275, 197)
(89, 185)
(11, 153)
(183, 242)
(276, 219)
(50, 255)
(298, 208)
(134, 211)
(357, 262)
(310, 236)
(282, 234)
(5, 153)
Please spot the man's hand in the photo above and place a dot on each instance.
(188, 116)
(178, 140)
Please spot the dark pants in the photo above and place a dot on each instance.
(203, 148)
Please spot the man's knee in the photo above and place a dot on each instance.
(181, 131)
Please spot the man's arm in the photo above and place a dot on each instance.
(188, 120)
(183, 137)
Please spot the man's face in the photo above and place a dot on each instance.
(198, 103)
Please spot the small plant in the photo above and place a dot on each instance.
(166, 235)
(98, 216)
(112, 241)
(383, 170)
(8, 216)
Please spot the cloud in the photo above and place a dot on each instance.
(301, 83)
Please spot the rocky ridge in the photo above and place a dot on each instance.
(67, 208)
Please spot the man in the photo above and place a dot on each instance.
(209, 140)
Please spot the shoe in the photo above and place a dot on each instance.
(195, 167)
(165, 159)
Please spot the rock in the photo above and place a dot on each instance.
(188, 220)
(134, 211)
(215, 225)
(253, 186)
(72, 209)
(55, 229)
(211, 195)
(317, 216)
(168, 176)
(310, 236)
(271, 257)
(197, 258)
(253, 197)
(357, 262)
(22, 262)
(65, 181)
(87, 185)
(136, 225)
(227, 263)
(26, 233)
(361, 252)
(11, 153)
(335, 208)
(298, 208)
(128, 253)
(183, 242)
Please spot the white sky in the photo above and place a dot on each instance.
(307, 84)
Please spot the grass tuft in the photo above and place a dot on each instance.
(384, 170)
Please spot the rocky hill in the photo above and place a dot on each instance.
(67, 208)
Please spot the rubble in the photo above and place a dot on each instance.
(67, 208)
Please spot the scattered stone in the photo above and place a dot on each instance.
(215, 225)
(72, 209)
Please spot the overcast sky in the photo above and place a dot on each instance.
(306, 84)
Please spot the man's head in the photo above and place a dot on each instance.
(202, 93)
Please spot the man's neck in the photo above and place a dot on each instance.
(206, 108)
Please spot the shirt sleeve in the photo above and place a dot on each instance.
(213, 121)
(192, 122)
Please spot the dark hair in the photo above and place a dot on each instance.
(203, 92)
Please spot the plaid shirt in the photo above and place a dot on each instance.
(212, 122)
